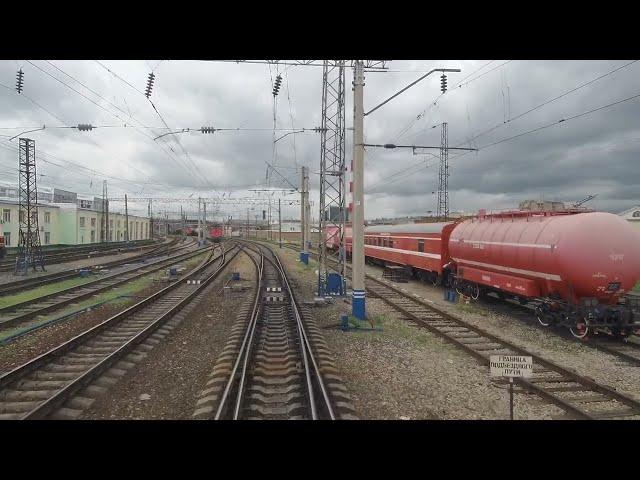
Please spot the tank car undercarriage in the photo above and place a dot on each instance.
(588, 318)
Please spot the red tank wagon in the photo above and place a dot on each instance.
(577, 263)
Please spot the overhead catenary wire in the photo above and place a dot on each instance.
(411, 123)
(105, 109)
(547, 102)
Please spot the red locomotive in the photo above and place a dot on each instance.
(574, 265)
(216, 234)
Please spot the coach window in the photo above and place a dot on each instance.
(390, 243)
(421, 245)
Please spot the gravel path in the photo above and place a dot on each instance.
(405, 372)
(167, 382)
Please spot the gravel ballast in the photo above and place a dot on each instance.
(167, 382)
(407, 372)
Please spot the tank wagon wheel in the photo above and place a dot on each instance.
(475, 291)
(581, 328)
(434, 279)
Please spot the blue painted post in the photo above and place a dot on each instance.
(358, 304)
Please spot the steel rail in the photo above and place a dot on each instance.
(29, 283)
(93, 286)
(69, 256)
(306, 346)
(55, 401)
(245, 350)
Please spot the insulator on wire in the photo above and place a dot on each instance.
(84, 127)
(276, 86)
(207, 130)
(147, 93)
(443, 83)
(19, 81)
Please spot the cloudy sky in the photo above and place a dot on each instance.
(489, 101)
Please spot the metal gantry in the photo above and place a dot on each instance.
(29, 247)
(443, 177)
(332, 167)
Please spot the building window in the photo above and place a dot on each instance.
(47, 217)
(6, 215)
(21, 216)
(93, 222)
(111, 224)
(421, 245)
(119, 224)
(7, 239)
(93, 236)
(47, 238)
(82, 221)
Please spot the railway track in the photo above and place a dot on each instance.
(80, 253)
(623, 349)
(18, 313)
(11, 288)
(579, 396)
(275, 365)
(66, 380)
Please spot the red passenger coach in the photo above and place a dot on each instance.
(422, 247)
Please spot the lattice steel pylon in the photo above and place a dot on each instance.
(443, 177)
(29, 248)
(332, 168)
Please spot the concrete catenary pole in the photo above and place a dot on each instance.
(199, 220)
(279, 224)
(204, 221)
(304, 182)
(126, 219)
(357, 259)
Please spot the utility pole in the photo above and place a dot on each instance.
(443, 177)
(279, 224)
(150, 219)
(357, 241)
(126, 219)
(29, 248)
(247, 236)
(304, 200)
(104, 223)
(199, 220)
(204, 221)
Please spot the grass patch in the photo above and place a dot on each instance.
(471, 308)
(27, 295)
